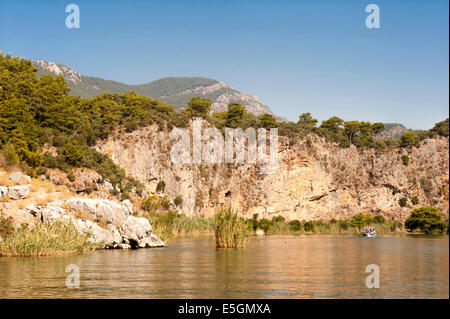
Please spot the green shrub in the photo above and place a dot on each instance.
(165, 203)
(441, 128)
(252, 224)
(409, 139)
(151, 204)
(422, 182)
(124, 195)
(295, 225)
(344, 224)
(73, 153)
(198, 107)
(6, 226)
(403, 201)
(391, 142)
(178, 201)
(9, 152)
(267, 121)
(308, 226)
(378, 219)
(394, 225)
(379, 145)
(360, 220)
(405, 160)
(428, 219)
(71, 176)
(264, 224)
(160, 187)
(415, 200)
(278, 219)
(230, 230)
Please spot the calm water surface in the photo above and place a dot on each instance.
(269, 267)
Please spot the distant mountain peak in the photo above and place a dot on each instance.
(392, 130)
(58, 69)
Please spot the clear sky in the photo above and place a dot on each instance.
(297, 56)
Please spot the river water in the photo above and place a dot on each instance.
(269, 267)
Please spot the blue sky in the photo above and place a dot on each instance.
(297, 56)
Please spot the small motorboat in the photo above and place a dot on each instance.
(370, 233)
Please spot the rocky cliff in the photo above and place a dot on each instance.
(110, 224)
(315, 179)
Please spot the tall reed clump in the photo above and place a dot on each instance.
(59, 238)
(230, 230)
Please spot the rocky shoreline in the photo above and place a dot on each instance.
(110, 224)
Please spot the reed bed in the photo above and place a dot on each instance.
(171, 225)
(230, 230)
(59, 238)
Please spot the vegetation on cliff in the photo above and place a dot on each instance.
(37, 112)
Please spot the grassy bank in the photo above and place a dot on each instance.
(59, 238)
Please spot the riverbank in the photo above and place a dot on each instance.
(170, 226)
(63, 238)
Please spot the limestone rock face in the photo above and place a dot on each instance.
(3, 191)
(48, 215)
(136, 230)
(314, 180)
(86, 179)
(18, 177)
(109, 223)
(99, 210)
(16, 192)
(108, 237)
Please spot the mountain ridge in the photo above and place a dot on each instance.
(172, 90)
